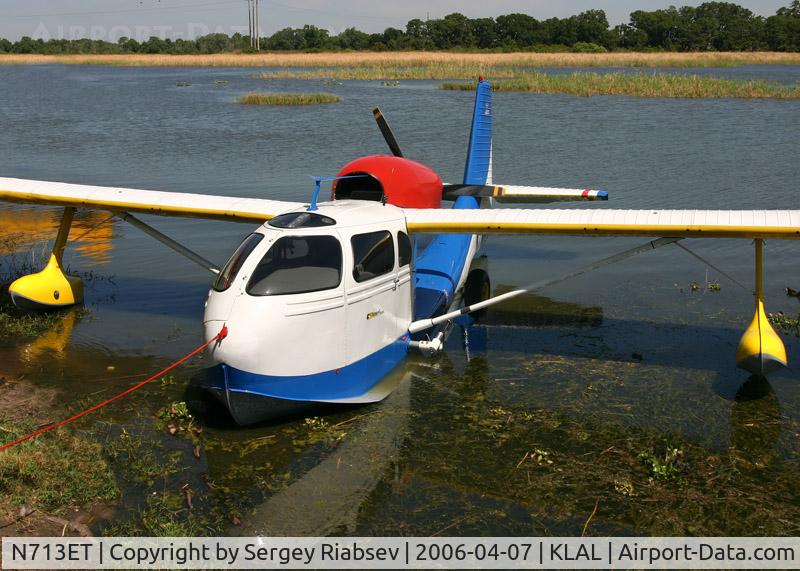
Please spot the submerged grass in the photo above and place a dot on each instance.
(547, 470)
(288, 98)
(639, 85)
(419, 59)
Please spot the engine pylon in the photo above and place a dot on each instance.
(761, 351)
(51, 288)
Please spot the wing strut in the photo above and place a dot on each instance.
(169, 242)
(423, 324)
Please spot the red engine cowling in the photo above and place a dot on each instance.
(401, 181)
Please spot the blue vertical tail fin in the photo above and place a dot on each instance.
(479, 155)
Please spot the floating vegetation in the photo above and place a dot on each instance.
(486, 59)
(664, 466)
(639, 85)
(182, 84)
(176, 417)
(288, 98)
(784, 323)
(220, 82)
(390, 83)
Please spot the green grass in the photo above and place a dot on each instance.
(287, 98)
(52, 472)
(785, 323)
(639, 85)
(434, 70)
(18, 324)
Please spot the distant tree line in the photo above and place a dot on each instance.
(712, 26)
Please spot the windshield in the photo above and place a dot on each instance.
(298, 264)
(228, 273)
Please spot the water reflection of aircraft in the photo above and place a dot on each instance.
(327, 498)
(25, 228)
(53, 342)
(321, 302)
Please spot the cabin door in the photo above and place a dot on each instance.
(372, 295)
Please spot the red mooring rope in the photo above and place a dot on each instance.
(219, 336)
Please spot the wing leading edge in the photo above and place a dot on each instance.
(142, 201)
(782, 224)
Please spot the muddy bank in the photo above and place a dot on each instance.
(58, 484)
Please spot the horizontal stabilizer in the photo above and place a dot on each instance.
(522, 194)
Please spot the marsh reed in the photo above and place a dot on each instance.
(419, 59)
(639, 85)
(287, 98)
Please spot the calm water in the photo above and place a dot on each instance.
(550, 405)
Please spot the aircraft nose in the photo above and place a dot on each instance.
(211, 329)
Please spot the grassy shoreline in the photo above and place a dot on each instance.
(419, 59)
(639, 85)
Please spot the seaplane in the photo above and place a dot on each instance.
(323, 300)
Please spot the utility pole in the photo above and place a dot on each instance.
(258, 30)
(250, 22)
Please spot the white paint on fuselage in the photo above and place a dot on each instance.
(309, 333)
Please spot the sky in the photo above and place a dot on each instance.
(140, 19)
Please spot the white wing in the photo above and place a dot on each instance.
(783, 224)
(143, 201)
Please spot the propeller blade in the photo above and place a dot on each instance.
(387, 133)
(453, 191)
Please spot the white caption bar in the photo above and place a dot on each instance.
(401, 553)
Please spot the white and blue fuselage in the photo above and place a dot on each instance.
(320, 314)
(318, 301)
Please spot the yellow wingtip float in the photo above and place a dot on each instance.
(760, 350)
(51, 288)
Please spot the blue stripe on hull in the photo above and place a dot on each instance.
(350, 382)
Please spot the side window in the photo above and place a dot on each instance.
(403, 249)
(298, 264)
(373, 255)
(228, 273)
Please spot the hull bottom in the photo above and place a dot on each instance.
(248, 408)
(252, 398)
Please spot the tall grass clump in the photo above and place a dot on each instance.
(287, 98)
(639, 85)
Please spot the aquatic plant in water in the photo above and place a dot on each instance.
(287, 98)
